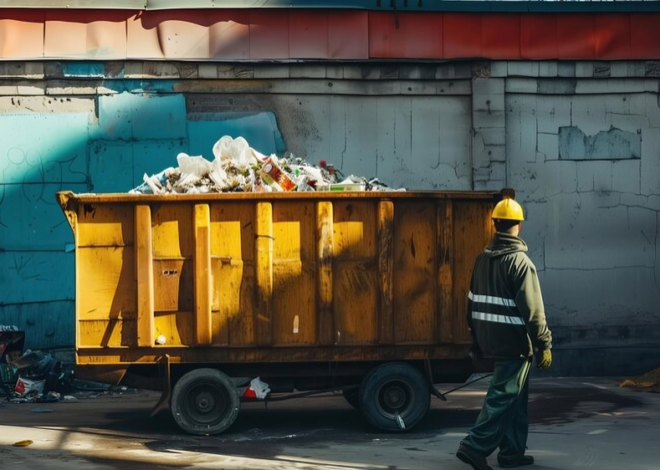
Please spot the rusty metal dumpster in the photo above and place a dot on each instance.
(196, 295)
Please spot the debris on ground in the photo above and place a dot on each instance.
(24, 443)
(237, 167)
(38, 377)
(649, 380)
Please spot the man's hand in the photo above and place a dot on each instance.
(544, 359)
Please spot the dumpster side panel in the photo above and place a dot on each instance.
(173, 248)
(294, 273)
(233, 267)
(414, 271)
(324, 262)
(278, 278)
(105, 275)
(355, 274)
(471, 233)
(445, 271)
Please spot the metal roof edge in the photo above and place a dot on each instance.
(464, 6)
(74, 4)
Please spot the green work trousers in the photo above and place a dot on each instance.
(503, 419)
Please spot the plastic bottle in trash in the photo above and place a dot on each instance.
(302, 182)
(271, 168)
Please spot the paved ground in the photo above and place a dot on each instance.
(584, 423)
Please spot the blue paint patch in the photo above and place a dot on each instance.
(110, 166)
(83, 69)
(47, 325)
(41, 154)
(43, 148)
(140, 86)
(31, 220)
(137, 117)
(259, 129)
(36, 276)
(117, 167)
(613, 144)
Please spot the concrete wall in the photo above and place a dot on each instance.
(579, 141)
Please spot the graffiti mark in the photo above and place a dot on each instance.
(27, 174)
(26, 268)
(30, 169)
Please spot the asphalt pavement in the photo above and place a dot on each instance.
(576, 423)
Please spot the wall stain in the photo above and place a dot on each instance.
(613, 144)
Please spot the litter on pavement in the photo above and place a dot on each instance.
(37, 377)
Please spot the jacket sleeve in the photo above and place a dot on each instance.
(529, 301)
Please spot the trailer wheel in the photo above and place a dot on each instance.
(205, 401)
(394, 397)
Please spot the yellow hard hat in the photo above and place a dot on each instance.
(508, 209)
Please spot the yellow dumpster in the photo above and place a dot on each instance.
(199, 295)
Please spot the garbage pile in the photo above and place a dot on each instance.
(37, 377)
(29, 376)
(239, 168)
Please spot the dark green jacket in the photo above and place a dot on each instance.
(505, 306)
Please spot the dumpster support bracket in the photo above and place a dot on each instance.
(429, 376)
(164, 401)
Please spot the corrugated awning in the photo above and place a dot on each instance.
(371, 5)
(77, 4)
(338, 35)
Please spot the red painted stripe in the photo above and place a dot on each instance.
(501, 34)
(462, 36)
(269, 34)
(612, 36)
(348, 35)
(259, 34)
(644, 36)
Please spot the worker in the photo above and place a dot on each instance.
(507, 323)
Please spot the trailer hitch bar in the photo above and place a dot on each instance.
(443, 396)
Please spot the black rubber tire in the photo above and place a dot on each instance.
(352, 397)
(205, 402)
(391, 389)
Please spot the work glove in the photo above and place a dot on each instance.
(544, 359)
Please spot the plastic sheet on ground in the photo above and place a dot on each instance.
(650, 380)
(237, 167)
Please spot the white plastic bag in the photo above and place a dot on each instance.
(193, 169)
(234, 152)
(257, 389)
(198, 166)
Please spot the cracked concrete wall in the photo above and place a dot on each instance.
(489, 133)
(417, 142)
(580, 146)
(593, 224)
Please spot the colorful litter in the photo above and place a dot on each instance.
(237, 167)
(37, 377)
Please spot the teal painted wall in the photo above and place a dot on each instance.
(104, 150)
